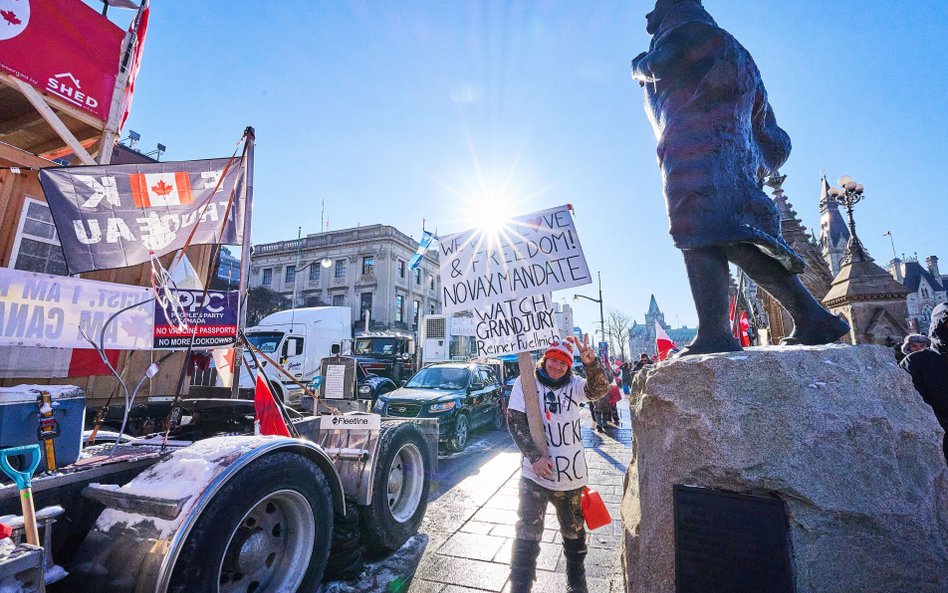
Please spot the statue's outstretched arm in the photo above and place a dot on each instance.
(651, 66)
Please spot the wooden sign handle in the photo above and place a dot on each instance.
(531, 403)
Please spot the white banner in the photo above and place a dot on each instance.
(48, 311)
(534, 254)
(515, 325)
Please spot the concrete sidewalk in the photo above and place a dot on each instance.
(470, 528)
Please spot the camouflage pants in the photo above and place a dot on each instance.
(532, 508)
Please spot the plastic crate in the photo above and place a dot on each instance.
(19, 420)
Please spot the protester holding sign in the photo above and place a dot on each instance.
(560, 477)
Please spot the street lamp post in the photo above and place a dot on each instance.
(850, 194)
(602, 317)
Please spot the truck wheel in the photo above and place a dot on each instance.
(400, 488)
(268, 530)
(462, 430)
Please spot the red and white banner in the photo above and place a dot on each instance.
(52, 363)
(64, 48)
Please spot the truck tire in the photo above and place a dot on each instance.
(268, 530)
(399, 490)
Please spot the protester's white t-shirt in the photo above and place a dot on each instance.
(563, 433)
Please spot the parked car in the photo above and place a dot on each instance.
(462, 396)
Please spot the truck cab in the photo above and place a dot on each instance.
(386, 355)
(297, 339)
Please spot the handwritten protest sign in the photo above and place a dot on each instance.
(51, 311)
(535, 254)
(514, 325)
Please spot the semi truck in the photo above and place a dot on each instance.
(214, 507)
(298, 339)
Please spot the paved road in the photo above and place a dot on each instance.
(472, 510)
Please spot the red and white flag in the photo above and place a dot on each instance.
(161, 189)
(266, 411)
(742, 328)
(663, 343)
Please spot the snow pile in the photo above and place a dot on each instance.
(28, 393)
(6, 547)
(183, 475)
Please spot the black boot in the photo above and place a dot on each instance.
(575, 552)
(708, 276)
(523, 565)
(812, 324)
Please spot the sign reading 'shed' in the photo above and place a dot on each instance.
(534, 254)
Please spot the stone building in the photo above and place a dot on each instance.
(642, 336)
(817, 276)
(367, 271)
(926, 286)
(834, 234)
(869, 298)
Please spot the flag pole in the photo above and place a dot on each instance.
(245, 248)
(892, 241)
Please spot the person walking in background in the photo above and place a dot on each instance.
(615, 395)
(929, 369)
(914, 343)
(627, 374)
(559, 478)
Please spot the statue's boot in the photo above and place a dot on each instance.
(812, 324)
(523, 565)
(574, 550)
(708, 275)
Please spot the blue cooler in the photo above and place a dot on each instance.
(19, 419)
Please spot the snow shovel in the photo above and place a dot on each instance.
(22, 479)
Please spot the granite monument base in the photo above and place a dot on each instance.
(835, 436)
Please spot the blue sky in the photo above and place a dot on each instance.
(396, 111)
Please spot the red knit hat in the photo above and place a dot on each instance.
(561, 350)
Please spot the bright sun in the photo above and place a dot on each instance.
(490, 213)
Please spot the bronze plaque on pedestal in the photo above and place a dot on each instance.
(730, 543)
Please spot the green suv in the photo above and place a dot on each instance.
(462, 396)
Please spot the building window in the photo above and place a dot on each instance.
(368, 265)
(366, 305)
(400, 264)
(431, 309)
(399, 309)
(431, 281)
(36, 247)
(418, 276)
(415, 312)
(314, 271)
(340, 268)
(289, 276)
(338, 300)
(267, 279)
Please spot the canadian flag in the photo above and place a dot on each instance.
(161, 189)
(663, 343)
(742, 330)
(266, 412)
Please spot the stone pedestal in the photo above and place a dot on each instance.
(836, 432)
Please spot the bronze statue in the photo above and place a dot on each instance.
(717, 141)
